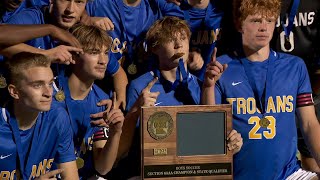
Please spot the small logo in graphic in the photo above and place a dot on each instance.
(236, 83)
(3, 157)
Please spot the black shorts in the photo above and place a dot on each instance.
(302, 147)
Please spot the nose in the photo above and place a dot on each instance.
(177, 44)
(70, 7)
(263, 26)
(103, 59)
(47, 91)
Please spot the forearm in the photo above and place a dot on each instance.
(207, 96)
(312, 138)
(70, 170)
(106, 157)
(310, 130)
(22, 33)
(128, 131)
(12, 50)
(120, 82)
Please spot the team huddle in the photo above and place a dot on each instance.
(75, 74)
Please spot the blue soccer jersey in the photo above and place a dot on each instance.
(48, 141)
(268, 151)
(79, 113)
(130, 27)
(204, 25)
(169, 94)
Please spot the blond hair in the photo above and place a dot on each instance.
(22, 61)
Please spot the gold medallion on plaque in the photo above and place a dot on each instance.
(3, 82)
(79, 162)
(60, 96)
(132, 69)
(264, 122)
(160, 125)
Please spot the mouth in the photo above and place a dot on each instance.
(177, 56)
(46, 102)
(67, 19)
(101, 69)
(262, 37)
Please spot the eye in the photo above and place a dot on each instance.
(37, 85)
(79, 2)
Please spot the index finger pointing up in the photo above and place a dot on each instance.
(114, 100)
(151, 83)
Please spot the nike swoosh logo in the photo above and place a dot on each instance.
(3, 157)
(234, 84)
(156, 104)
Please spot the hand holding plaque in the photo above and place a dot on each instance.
(235, 141)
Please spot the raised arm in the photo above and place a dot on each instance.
(105, 146)
(213, 72)
(24, 33)
(146, 98)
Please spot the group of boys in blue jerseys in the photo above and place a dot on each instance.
(56, 122)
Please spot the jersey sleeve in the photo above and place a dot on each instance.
(27, 16)
(169, 9)
(65, 152)
(113, 65)
(304, 97)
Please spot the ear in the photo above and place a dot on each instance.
(13, 91)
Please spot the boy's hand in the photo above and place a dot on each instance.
(99, 116)
(235, 141)
(114, 119)
(214, 71)
(62, 54)
(146, 97)
(50, 175)
(195, 61)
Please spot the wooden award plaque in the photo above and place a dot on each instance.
(186, 142)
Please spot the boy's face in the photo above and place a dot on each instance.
(166, 51)
(34, 90)
(257, 31)
(67, 12)
(93, 63)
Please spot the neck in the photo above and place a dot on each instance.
(79, 87)
(132, 2)
(171, 74)
(257, 55)
(201, 4)
(26, 118)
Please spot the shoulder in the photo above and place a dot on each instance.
(227, 59)
(57, 116)
(289, 60)
(33, 15)
(142, 81)
(100, 93)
